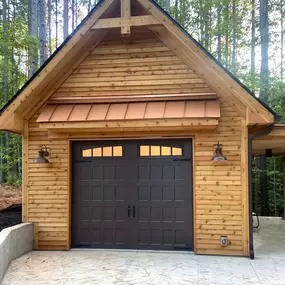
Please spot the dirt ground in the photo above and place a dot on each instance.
(9, 195)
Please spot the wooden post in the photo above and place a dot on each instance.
(125, 16)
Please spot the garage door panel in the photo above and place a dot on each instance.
(156, 185)
(97, 173)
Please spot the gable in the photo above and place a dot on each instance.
(57, 76)
(129, 67)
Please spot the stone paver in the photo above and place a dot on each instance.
(155, 267)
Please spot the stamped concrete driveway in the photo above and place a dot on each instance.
(162, 268)
(137, 267)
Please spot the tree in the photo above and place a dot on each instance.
(65, 19)
(252, 44)
(42, 31)
(234, 34)
(264, 36)
(49, 26)
(167, 5)
(33, 31)
(219, 37)
(282, 13)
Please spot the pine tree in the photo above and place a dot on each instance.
(33, 31)
(264, 36)
(42, 31)
(65, 19)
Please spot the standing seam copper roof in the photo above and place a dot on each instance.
(130, 111)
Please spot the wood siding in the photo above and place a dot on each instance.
(143, 65)
(139, 64)
(219, 189)
(47, 192)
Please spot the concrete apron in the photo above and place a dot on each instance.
(156, 267)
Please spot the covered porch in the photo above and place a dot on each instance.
(269, 236)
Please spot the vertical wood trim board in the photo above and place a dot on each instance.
(194, 195)
(25, 143)
(69, 197)
(244, 179)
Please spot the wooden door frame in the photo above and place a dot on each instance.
(98, 138)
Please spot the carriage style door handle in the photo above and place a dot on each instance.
(129, 210)
(134, 211)
(182, 159)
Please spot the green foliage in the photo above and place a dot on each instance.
(277, 97)
(268, 198)
(12, 157)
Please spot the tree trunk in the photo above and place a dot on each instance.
(5, 69)
(252, 51)
(72, 14)
(167, 6)
(234, 38)
(33, 32)
(264, 33)
(282, 39)
(219, 38)
(76, 13)
(56, 23)
(207, 24)
(42, 31)
(176, 10)
(49, 26)
(65, 19)
(202, 23)
(227, 36)
(89, 5)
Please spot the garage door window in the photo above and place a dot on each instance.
(155, 150)
(106, 151)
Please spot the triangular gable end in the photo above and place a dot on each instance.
(134, 68)
(107, 15)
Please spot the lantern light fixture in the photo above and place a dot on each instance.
(43, 154)
(219, 153)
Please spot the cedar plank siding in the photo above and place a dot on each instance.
(47, 189)
(143, 65)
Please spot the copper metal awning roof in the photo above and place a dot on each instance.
(130, 111)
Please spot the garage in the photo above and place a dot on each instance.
(133, 194)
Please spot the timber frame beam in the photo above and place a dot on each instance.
(126, 21)
(136, 21)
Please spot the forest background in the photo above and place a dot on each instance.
(246, 36)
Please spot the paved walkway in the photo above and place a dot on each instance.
(143, 267)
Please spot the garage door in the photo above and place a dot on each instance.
(132, 194)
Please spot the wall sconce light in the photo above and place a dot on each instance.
(43, 154)
(219, 153)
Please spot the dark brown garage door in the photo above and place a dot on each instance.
(132, 194)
